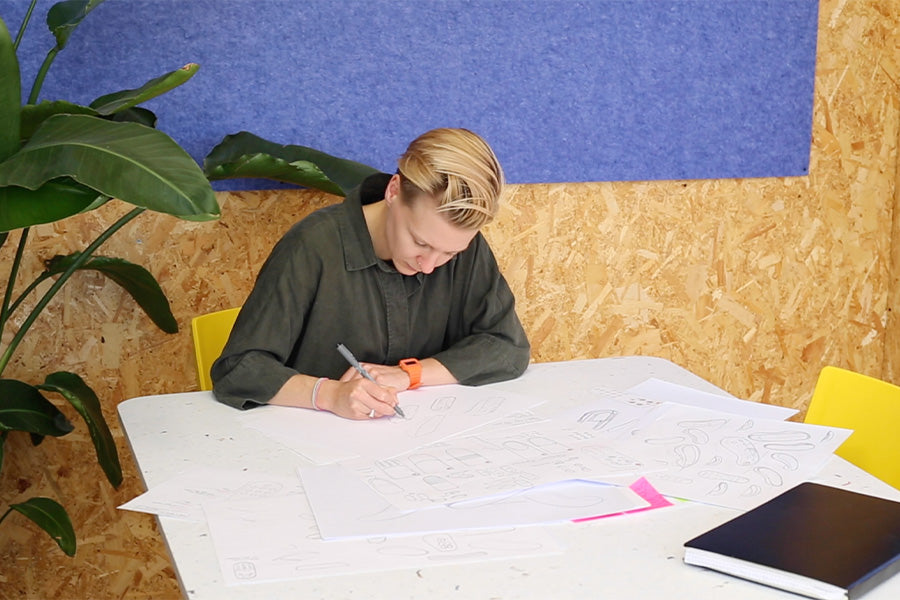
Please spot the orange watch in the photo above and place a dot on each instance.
(413, 368)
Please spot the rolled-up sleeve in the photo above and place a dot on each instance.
(489, 343)
(254, 363)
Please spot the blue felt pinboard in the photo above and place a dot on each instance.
(599, 90)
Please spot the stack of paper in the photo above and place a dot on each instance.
(470, 471)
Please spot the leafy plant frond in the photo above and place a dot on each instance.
(52, 518)
(119, 101)
(247, 155)
(133, 163)
(24, 408)
(76, 391)
(55, 200)
(10, 95)
(134, 279)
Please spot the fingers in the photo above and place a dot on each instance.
(367, 400)
(388, 376)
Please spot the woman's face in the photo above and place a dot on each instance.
(419, 238)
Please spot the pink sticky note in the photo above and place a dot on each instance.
(645, 490)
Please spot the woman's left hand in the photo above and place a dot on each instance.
(385, 375)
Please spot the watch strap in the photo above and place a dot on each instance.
(413, 368)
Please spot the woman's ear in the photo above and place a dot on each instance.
(393, 189)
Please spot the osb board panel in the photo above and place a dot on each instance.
(753, 284)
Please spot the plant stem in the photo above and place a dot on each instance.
(42, 303)
(8, 510)
(24, 25)
(38, 281)
(13, 273)
(39, 78)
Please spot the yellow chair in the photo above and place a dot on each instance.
(868, 406)
(210, 332)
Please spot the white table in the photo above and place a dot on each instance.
(635, 556)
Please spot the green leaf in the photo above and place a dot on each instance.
(135, 114)
(10, 95)
(82, 397)
(247, 155)
(135, 279)
(113, 103)
(136, 164)
(50, 516)
(55, 200)
(35, 114)
(64, 17)
(24, 408)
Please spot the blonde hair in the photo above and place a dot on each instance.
(459, 170)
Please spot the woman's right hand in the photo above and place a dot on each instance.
(356, 398)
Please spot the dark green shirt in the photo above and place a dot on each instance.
(323, 285)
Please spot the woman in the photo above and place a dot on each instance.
(400, 274)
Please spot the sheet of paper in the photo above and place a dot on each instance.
(345, 507)
(475, 466)
(727, 459)
(432, 414)
(663, 391)
(608, 414)
(276, 539)
(182, 496)
(646, 491)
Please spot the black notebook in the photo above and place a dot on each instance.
(813, 540)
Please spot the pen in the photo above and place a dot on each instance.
(345, 352)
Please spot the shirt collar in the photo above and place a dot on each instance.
(359, 253)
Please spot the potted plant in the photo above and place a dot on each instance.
(59, 159)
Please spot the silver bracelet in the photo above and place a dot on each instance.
(315, 391)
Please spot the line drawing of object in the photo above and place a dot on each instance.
(770, 476)
(788, 461)
(753, 490)
(622, 426)
(708, 424)
(744, 452)
(384, 486)
(698, 436)
(666, 441)
(244, 569)
(547, 445)
(720, 489)
(428, 426)
(467, 457)
(522, 449)
(600, 418)
(486, 406)
(790, 447)
(441, 542)
(686, 455)
(780, 436)
(729, 477)
(439, 483)
(427, 463)
(443, 403)
(394, 468)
